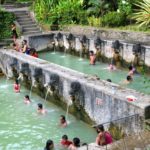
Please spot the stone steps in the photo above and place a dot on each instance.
(32, 32)
(28, 25)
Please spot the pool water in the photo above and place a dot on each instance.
(22, 128)
(100, 69)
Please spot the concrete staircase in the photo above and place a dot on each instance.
(26, 23)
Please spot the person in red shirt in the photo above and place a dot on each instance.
(34, 53)
(16, 86)
(65, 142)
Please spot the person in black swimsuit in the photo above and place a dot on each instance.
(14, 32)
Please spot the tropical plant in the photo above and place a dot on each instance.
(68, 12)
(114, 19)
(142, 15)
(5, 24)
(101, 7)
(93, 21)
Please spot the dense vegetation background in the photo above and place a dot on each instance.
(100, 13)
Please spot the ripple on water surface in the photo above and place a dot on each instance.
(21, 128)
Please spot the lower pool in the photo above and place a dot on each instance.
(21, 128)
(100, 69)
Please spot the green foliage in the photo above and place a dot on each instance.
(114, 19)
(5, 24)
(125, 7)
(100, 7)
(93, 21)
(116, 132)
(60, 12)
(142, 15)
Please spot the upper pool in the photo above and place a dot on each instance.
(100, 69)
(21, 128)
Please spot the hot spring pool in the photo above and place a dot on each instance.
(21, 128)
(100, 69)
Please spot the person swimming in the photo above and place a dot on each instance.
(63, 122)
(27, 99)
(16, 86)
(40, 109)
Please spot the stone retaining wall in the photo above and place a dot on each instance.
(112, 105)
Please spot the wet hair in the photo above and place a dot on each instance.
(76, 142)
(27, 96)
(49, 143)
(14, 44)
(130, 68)
(129, 78)
(109, 80)
(63, 117)
(25, 41)
(17, 82)
(65, 137)
(40, 106)
(91, 52)
(100, 128)
(84, 144)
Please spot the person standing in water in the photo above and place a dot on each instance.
(63, 122)
(16, 86)
(65, 142)
(49, 145)
(75, 145)
(27, 99)
(92, 58)
(40, 109)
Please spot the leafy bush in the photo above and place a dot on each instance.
(142, 15)
(114, 19)
(93, 21)
(5, 24)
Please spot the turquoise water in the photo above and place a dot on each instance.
(21, 128)
(99, 69)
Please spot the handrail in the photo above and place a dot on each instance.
(117, 119)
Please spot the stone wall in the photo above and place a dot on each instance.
(102, 101)
(110, 34)
(45, 41)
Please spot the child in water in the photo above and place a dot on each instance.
(27, 99)
(63, 122)
(40, 109)
(16, 86)
(92, 58)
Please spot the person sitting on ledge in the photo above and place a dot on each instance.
(65, 142)
(92, 58)
(24, 46)
(34, 53)
(103, 137)
(40, 109)
(49, 145)
(63, 122)
(16, 86)
(27, 99)
(75, 145)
